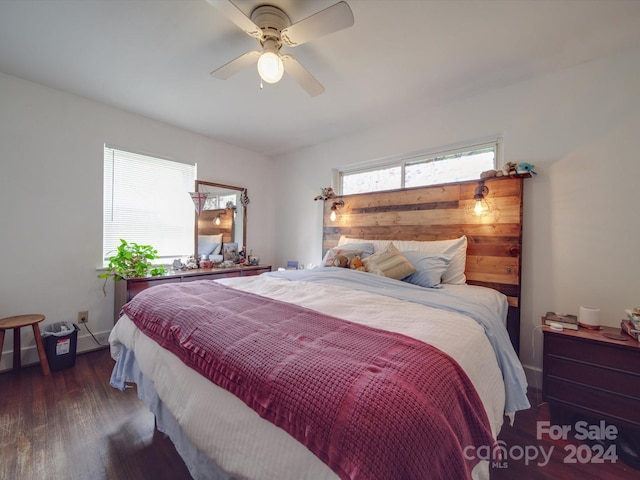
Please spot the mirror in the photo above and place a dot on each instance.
(223, 214)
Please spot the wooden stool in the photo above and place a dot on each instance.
(16, 323)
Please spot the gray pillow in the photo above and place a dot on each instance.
(208, 244)
(429, 268)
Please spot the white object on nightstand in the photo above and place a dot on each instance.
(555, 326)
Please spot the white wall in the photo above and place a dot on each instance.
(580, 127)
(51, 162)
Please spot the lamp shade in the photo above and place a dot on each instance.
(480, 206)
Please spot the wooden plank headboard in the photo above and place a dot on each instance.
(438, 213)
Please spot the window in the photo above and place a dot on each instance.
(457, 165)
(215, 201)
(146, 201)
(372, 180)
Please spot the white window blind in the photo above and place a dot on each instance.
(146, 201)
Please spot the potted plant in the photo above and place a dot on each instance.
(131, 260)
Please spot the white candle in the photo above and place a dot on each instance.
(589, 316)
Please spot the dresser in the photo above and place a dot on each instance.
(125, 290)
(588, 374)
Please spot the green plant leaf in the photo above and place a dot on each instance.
(131, 260)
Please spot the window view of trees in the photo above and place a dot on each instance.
(434, 169)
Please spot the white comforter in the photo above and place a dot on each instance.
(247, 446)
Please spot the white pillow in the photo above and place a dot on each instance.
(456, 249)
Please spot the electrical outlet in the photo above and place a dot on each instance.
(83, 317)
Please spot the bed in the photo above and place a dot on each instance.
(409, 380)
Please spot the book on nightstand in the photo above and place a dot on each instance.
(634, 317)
(628, 327)
(567, 321)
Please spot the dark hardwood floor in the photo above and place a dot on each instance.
(73, 425)
(522, 437)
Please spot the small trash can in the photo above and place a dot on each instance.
(60, 341)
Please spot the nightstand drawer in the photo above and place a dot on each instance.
(594, 375)
(592, 353)
(599, 403)
(605, 378)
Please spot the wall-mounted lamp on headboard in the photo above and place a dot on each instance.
(334, 207)
(480, 206)
(328, 194)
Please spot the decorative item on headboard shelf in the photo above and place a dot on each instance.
(524, 168)
(326, 194)
(510, 169)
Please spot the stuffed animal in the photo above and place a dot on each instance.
(508, 170)
(341, 261)
(488, 174)
(524, 168)
(192, 263)
(356, 264)
(326, 194)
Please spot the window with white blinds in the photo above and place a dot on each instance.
(146, 201)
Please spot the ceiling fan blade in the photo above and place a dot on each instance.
(302, 76)
(329, 20)
(234, 14)
(235, 65)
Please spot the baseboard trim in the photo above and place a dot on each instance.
(534, 377)
(29, 353)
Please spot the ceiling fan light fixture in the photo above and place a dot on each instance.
(270, 67)
(272, 28)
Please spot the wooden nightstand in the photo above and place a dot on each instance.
(589, 374)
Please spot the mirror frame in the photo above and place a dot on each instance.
(200, 183)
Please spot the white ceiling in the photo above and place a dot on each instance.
(153, 57)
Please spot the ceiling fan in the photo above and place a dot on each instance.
(273, 29)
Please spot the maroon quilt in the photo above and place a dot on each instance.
(369, 403)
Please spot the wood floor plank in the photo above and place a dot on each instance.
(74, 425)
